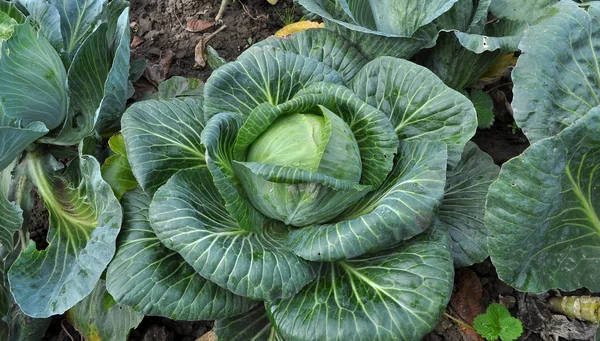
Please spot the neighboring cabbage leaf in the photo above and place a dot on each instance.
(543, 212)
(85, 218)
(382, 28)
(94, 319)
(470, 44)
(557, 78)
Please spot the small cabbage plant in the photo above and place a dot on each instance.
(64, 68)
(307, 195)
(544, 209)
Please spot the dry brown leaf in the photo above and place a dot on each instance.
(297, 27)
(199, 54)
(196, 25)
(466, 301)
(209, 336)
(135, 42)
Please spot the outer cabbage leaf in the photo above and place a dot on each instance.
(462, 208)
(253, 325)
(189, 216)
(47, 18)
(418, 104)
(543, 212)
(502, 36)
(155, 280)
(406, 40)
(33, 86)
(395, 294)
(77, 20)
(95, 321)
(85, 218)
(11, 215)
(163, 136)
(557, 78)
(98, 82)
(322, 45)
(527, 10)
(14, 139)
(262, 75)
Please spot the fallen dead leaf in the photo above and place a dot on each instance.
(196, 25)
(209, 336)
(199, 54)
(135, 42)
(465, 304)
(157, 73)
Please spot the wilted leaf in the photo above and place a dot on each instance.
(466, 302)
(195, 25)
(297, 27)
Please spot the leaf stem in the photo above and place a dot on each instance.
(466, 325)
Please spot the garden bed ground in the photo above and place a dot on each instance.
(162, 40)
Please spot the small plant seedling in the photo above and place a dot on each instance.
(498, 323)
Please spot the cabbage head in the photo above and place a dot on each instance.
(301, 197)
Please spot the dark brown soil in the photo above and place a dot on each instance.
(161, 26)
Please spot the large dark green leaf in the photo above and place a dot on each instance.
(11, 215)
(98, 82)
(262, 75)
(189, 216)
(557, 79)
(404, 17)
(251, 326)
(527, 10)
(463, 205)
(77, 20)
(162, 137)
(219, 137)
(47, 18)
(403, 206)
(94, 321)
(13, 140)
(116, 83)
(155, 280)
(419, 105)
(86, 77)
(324, 46)
(85, 218)
(502, 36)
(457, 66)
(23, 327)
(543, 212)
(397, 294)
(33, 86)
(378, 34)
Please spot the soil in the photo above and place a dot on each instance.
(162, 40)
(160, 25)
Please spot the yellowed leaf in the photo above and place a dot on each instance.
(499, 68)
(272, 2)
(297, 27)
